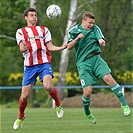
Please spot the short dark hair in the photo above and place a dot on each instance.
(26, 11)
(88, 15)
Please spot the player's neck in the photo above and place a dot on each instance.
(31, 24)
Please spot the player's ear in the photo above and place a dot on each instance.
(25, 18)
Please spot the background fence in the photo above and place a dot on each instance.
(65, 87)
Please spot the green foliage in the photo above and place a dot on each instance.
(11, 12)
(72, 78)
(57, 27)
(12, 19)
(15, 79)
(125, 77)
(112, 16)
(9, 95)
(40, 95)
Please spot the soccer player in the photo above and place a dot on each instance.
(35, 43)
(86, 38)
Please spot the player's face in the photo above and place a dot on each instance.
(31, 18)
(88, 23)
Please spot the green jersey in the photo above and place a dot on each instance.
(87, 45)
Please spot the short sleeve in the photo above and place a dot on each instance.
(19, 36)
(98, 32)
(47, 35)
(70, 37)
(73, 33)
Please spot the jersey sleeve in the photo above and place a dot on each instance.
(73, 33)
(47, 35)
(19, 36)
(70, 37)
(98, 32)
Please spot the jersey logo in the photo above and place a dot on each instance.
(35, 37)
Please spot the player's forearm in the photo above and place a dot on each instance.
(53, 48)
(72, 43)
(23, 47)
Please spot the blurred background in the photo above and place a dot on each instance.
(115, 19)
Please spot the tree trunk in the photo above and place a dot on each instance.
(65, 53)
(33, 4)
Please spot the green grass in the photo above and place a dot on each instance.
(44, 120)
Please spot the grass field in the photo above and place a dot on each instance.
(44, 120)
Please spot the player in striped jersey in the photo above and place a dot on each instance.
(35, 43)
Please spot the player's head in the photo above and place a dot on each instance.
(88, 15)
(30, 16)
(26, 11)
(88, 20)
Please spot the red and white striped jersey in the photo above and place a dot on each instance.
(36, 38)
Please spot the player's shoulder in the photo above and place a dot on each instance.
(20, 29)
(96, 27)
(74, 29)
(44, 28)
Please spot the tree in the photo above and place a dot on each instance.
(65, 53)
(33, 4)
(111, 16)
(116, 25)
(72, 20)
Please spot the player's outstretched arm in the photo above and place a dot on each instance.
(73, 42)
(53, 48)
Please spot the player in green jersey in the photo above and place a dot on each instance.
(86, 38)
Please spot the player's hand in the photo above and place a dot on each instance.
(102, 42)
(80, 36)
(64, 46)
(23, 47)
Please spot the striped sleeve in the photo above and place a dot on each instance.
(47, 35)
(19, 36)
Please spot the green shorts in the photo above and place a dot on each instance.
(91, 69)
